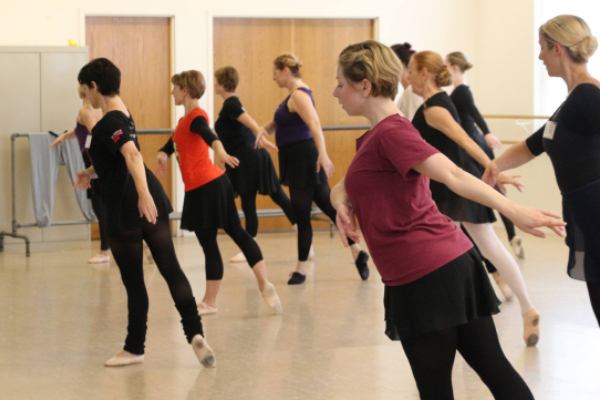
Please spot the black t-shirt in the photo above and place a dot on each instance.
(443, 143)
(575, 147)
(469, 116)
(232, 132)
(118, 188)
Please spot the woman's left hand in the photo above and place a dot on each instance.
(346, 224)
(527, 219)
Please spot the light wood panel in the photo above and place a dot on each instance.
(141, 48)
(250, 45)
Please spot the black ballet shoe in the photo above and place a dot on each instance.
(361, 265)
(296, 278)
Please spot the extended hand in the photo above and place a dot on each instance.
(346, 224)
(527, 219)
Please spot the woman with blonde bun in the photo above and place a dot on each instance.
(438, 299)
(572, 140)
(438, 122)
(304, 165)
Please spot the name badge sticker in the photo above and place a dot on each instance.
(550, 130)
(88, 141)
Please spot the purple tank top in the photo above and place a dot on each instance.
(81, 132)
(290, 128)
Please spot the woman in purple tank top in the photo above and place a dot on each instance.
(304, 165)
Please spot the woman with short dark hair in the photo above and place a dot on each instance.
(137, 210)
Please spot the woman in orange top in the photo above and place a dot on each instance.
(209, 203)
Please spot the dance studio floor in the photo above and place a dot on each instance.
(60, 319)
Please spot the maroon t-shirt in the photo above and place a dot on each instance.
(406, 234)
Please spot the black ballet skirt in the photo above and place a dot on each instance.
(582, 215)
(449, 203)
(210, 207)
(298, 165)
(255, 174)
(450, 296)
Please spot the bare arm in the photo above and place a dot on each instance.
(135, 165)
(62, 137)
(439, 168)
(260, 133)
(514, 157)
(300, 103)
(439, 118)
(270, 127)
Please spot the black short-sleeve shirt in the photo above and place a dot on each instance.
(574, 149)
(232, 133)
(119, 194)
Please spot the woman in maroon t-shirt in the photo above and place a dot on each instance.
(438, 298)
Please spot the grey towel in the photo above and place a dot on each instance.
(44, 171)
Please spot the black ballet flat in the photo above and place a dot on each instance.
(296, 278)
(361, 265)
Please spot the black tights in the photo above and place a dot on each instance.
(128, 253)
(431, 357)
(302, 200)
(212, 255)
(249, 208)
(594, 291)
(98, 207)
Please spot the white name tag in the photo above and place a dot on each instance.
(549, 130)
(88, 141)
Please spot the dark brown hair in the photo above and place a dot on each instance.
(228, 77)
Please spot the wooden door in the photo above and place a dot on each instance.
(250, 45)
(141, 48)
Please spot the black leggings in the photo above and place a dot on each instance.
(302, 200)
(249, 208)
(212, 255)
(127, 249)
(431, 357)
(98, 207)
(594, 291)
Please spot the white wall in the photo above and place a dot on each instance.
(424, 24)
(499, 37)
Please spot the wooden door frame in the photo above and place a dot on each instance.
(84, 13)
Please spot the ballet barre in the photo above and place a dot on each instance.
(16, 225)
